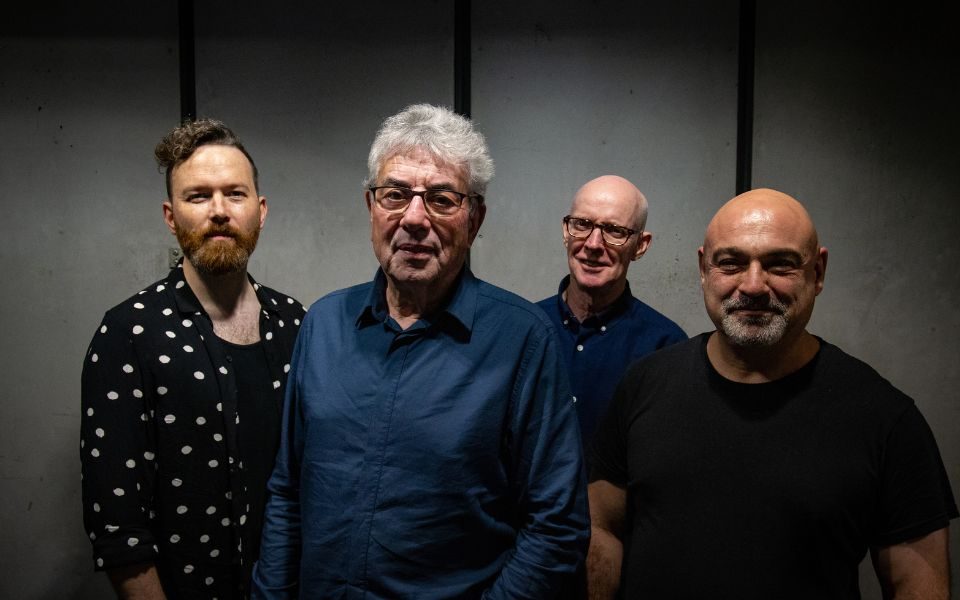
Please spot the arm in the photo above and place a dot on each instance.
(608, 507)
(546, 468)
(915, 569)
(276, 574)
(136, 582)
(117, 448)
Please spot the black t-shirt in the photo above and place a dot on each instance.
(771, 490)
(258, 431)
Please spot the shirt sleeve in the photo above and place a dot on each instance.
(915, 494)
(117, 450)
(548, 474)
(277, 572)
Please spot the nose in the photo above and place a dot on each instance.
(754, 281)
(594, 241)
(415, 216)
(218, 208)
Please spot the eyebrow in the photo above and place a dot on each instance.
(773, 254)
(400, 183)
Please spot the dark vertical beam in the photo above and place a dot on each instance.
(746, 58)
(188, 72)
(461, 57)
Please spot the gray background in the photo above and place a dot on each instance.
(855, 115)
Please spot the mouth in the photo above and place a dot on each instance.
(416, 251)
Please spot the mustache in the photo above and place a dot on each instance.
(224, 230)
(758, 303)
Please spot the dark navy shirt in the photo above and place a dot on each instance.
(598, 351)
(440, 461)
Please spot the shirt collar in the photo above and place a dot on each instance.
(619, 306)
(460, 310)
(187, 301)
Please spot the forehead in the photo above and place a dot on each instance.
(417, 167)
(213, 164)
(605, 206)
(759, 231)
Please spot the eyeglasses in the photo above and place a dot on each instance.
(613, 235)
(437, 202)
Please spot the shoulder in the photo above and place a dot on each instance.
(654, 321)
(145, 306)
(341, 303)
(849, 375)
(685, 357)
(510, 308)
(284, 304)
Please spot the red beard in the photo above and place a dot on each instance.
(217, 257)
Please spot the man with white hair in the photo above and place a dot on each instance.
(429, 446)
(602, 326)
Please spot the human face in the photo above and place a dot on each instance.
(415, 250)
(597, 267)
(761, 270)
(214, 210)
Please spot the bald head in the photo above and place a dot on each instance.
(613, 190)
(764, 211)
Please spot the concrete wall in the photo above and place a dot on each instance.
(855, 115)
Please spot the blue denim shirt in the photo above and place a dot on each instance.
(440, 461)
(599, 350)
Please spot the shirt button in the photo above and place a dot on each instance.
(566, 321)
(579, 347)
(574, 399)
(603, 328)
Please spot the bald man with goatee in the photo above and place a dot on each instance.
(601, 325)
(759, 460)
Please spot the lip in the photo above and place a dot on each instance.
(416, 250)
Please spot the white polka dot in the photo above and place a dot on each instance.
(276, 384)
(161, 287)
(170, 334)
(186, 449)
(228, 495)
(138, 305)
(103, 329)
(204, 538)
(127, 368)
(161, 390)
(289, 300)
(211, 510)
(269, 335)
(167, 312)
(90, 412)
(93, 536)
(223, 370)
(99, 562)
(296, 321)
(112, 395)
(111, 528)
(188, 569)
(94, 453)
(168, 419)
(243, 519)
(280, 322)
(208, 581)
(164, 358)
(174, 538)
(148, 455)
(130, 463)
(217, 437)
(188, 348)
(94, 357)
(82, 444)
(96, 507)
(133, 541)
(213, 464)
(181, 509)
(137, 329)
(179, 284)
(118, 491)
(286, 368)
(176, 482)
(273, 300)
(219, 406)
(100, 432)
(225, 521)
(214, 553)
(137, 393)
(198, 375)
(186, 322)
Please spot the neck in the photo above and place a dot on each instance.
(584, 302)
(220, 295)
(760, 364)
(408, 302)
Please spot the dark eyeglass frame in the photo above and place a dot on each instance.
(410, 193)
(605, 229)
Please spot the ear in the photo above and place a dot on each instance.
(820, 269)
(702, 266)
(643, 243)
(168, 216)
(263, 211)
(476, 220)
(369, 200)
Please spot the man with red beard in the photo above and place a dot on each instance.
(182, 389)
(758, 460)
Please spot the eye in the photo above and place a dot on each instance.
(581, 225)
(615, 232)
(237, 194)
(781, 267)
(442, 200)
(728, 265)
(393, 194)
(197, 197)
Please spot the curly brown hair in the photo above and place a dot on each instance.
(180, 144)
